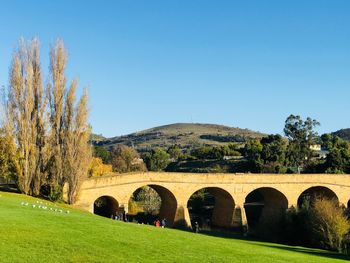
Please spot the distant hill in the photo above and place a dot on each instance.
(187, 135)
(343, 133)
(97, 137)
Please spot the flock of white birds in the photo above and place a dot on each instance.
(45, 206)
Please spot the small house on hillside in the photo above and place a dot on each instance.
(319, 152)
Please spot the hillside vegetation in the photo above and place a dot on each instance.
(187, 135)
(343, 133)
(42, 235)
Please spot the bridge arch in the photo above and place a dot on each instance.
(311, 194)
(168, 203)
(213, 207)
(106, 206)
(264, 208)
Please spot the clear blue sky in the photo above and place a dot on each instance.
(246, 64)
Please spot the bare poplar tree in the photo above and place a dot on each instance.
(25, 111)
(78, 150)
(56, 94)
(69, 148)
(40, 123)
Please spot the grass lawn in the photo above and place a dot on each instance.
(30, 234)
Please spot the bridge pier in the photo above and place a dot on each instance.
(182, 217)
(344, 202)
(239, 220)
(124, 207)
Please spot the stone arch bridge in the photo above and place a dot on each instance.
(234, 194)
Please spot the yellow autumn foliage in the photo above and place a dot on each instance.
(98, 168)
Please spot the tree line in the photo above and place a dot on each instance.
(294, 153)
(45, 131)
(274, 153)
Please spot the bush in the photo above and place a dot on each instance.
(322, 224)
(330, 225)
(98, 168)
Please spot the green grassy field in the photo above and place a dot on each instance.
(36, 235)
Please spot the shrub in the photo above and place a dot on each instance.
(330, 225)
(98, 168)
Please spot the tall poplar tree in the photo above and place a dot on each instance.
(56, 93)
(78, 151)
(25, 115)
(70, 132)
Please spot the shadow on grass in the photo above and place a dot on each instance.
(259, 242)
(11, 188)
(226, 234)
(310, 251)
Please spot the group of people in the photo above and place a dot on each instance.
(157, 223)
(123, 217)
(119, 216)
(160, 223)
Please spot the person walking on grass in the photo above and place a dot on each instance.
(157, 223)
(163, 223)
(196, 227)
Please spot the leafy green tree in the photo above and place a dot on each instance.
(125, 159)
(252, 152)
(266, 155)
(103, 153)
(273, 153)
(215, 152)
(175, 152)
(338, 158)
(232, 150)
(157, 160)
(328, 140)
(202, 153)
(301, 136)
